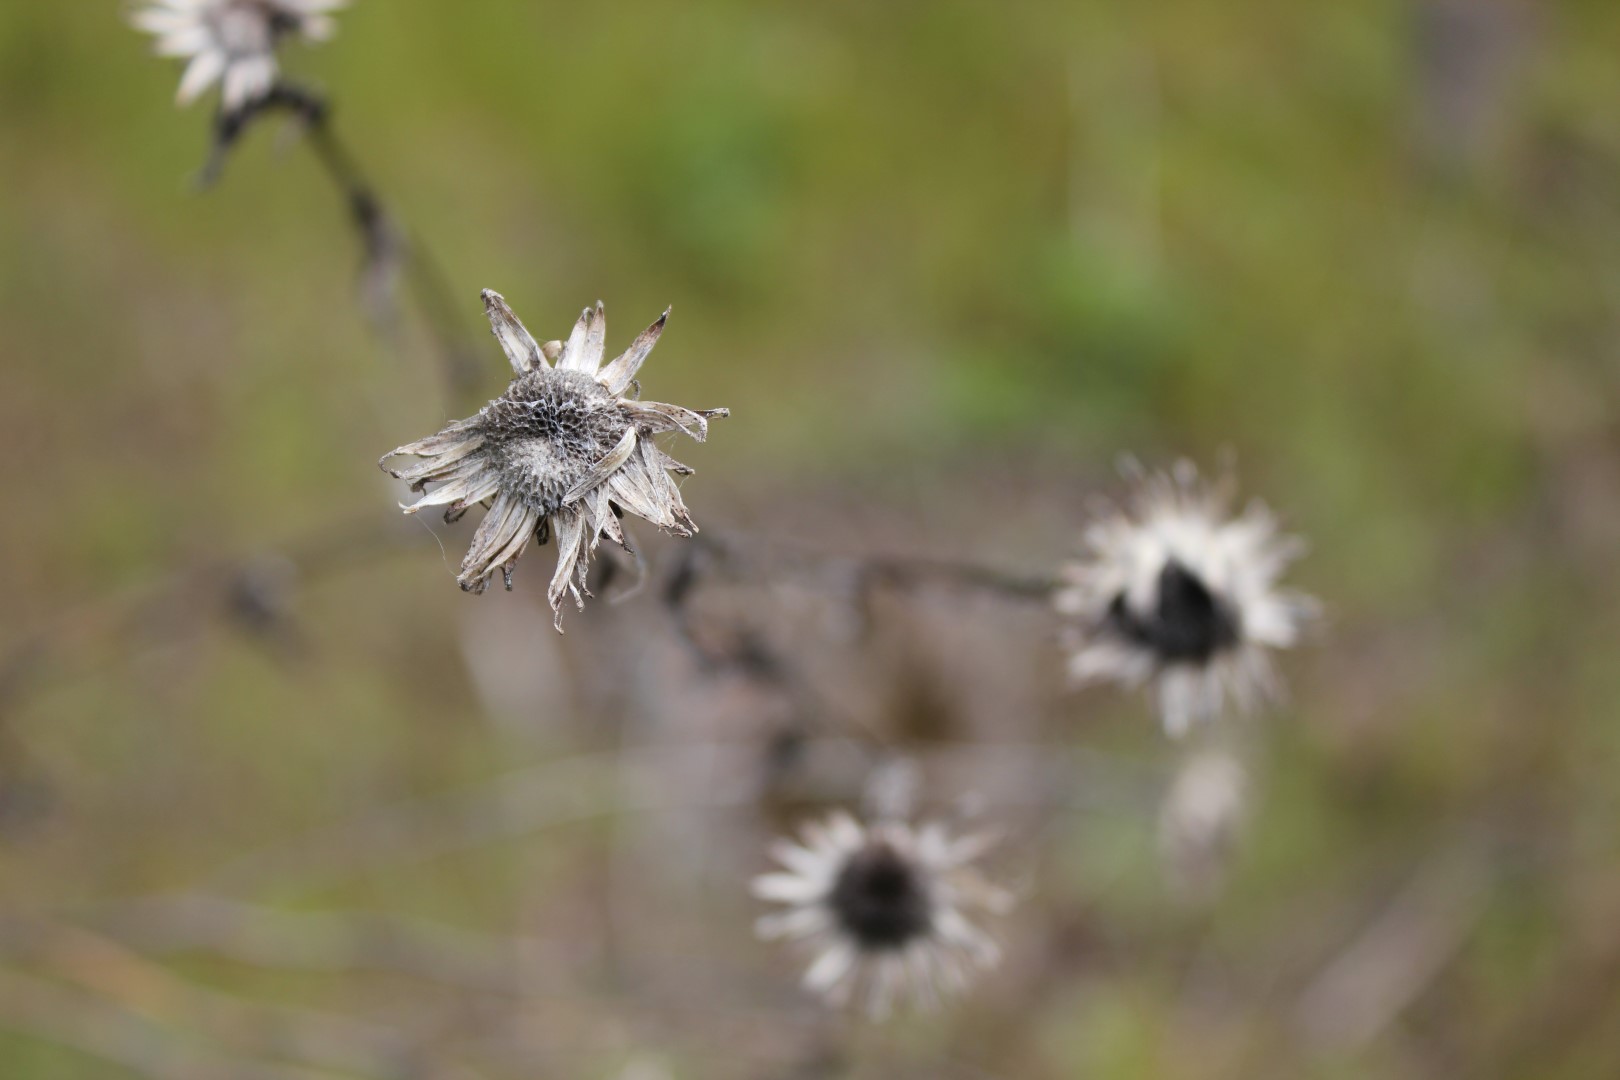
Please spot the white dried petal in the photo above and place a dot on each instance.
(605, 468)
(576, 350)
(617, 376)
(516, 341)
(231, 42)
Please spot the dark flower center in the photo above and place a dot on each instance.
(283, 23)
(1189, 623)
(279, 19)
(547, 431)
(880, 899)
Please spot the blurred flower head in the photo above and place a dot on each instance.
(885, 907)
(1174, 591)
(232, 42)
(561, 455)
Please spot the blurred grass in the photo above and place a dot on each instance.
(910, 245)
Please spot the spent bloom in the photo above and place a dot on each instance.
(885, 908)
(1175, 592)
(560, 456)
(232, 42)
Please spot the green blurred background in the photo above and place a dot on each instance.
(945, 261)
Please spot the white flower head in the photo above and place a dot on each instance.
(232, 42)
(885, 907)
(562, 455)
(1175, 592)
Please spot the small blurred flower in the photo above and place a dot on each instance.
(1200, 822)
(886, 908)
(232, 42)
(1174, 591)
(560, 455)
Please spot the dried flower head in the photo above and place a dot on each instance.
(232, 42)
(885, 906)
(561, 455)
(1174, 591)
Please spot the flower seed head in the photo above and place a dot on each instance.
(562, 455)
(1187, 622)
(546, 433)
(1175, 592)
(885, 908)
(232, 42)
(880, 899)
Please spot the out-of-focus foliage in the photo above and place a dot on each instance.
(944, 261)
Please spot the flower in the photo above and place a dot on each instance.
(1175, 592)
(232, 42)
(561, 455)
(885, 906)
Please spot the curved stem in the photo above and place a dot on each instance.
(389, 250)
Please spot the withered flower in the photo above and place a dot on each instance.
(232, 42)
(886, 908)
(1175, 592)
(561, 455)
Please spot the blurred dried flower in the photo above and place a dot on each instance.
(232, 42)
(1200, 821)
(561, 454)
(885, 906)
(1174, 591)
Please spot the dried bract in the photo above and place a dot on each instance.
(1175, 592)
(885, 907)
(232, 42)
(562, 455)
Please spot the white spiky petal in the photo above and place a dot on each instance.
(232, 42)
(939, 954)
(559, 456)
(1174, 520)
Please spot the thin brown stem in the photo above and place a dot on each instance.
(389, 251)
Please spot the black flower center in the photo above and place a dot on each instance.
(1188, 624)
(880, 899)
(547, 431)
(283, 23)
(279, 19)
